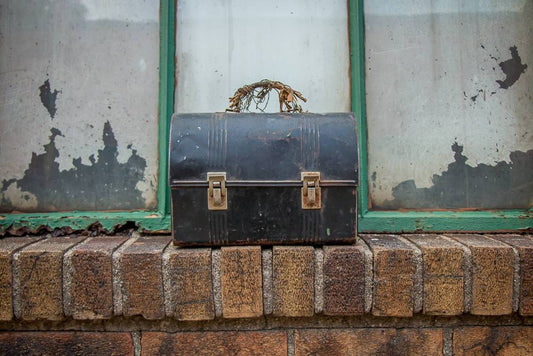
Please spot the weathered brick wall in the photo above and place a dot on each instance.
(387, 294)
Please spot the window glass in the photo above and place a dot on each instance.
(223, 45)
(448, 95)
(78, 105)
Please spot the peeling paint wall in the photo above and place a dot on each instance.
(449, 106)
(223, 45)
(78, 105)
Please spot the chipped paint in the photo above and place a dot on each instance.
(75, 66)
(48, 98)
(103, 184)
(78, 222)
(502, 185)
(440, 72)
(12, 193)
(512, 68)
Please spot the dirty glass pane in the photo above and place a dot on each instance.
(78, 105)
(223, 45)
(449, 106)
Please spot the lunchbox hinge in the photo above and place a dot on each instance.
(311, 195)
(217, 193)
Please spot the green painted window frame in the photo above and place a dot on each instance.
(410, 221)
(369, 221)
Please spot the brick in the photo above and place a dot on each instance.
(267, 281)
(524, 246)
(241, 282)
(514, 341)
(38, 279)
(66, 343)
(8, 246)
(141, 277)
(215, 343)
(88, 280)
(368, 342)
(443, 261)
(344, 280)
(217, 289)
(492, 275)
(118, 297)
(191, 288)
(319, 281)
(293, 281)
(369, 274)
(394, 275)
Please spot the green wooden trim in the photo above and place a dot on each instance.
(357, 72)
(146, 221)
(166, 97)
(157, 221)
(410, 221)
(414, 221)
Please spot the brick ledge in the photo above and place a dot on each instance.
(61, 278)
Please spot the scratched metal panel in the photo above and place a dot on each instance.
(78, 105)
(449, 103)
(268, 147)
(263, 156)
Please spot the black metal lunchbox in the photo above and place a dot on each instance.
(246, 178)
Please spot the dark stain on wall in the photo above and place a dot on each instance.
(512, 68)
(501, 186)
(104, 184)
(479, 92)
(48, 98)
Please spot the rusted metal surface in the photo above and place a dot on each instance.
(217, 193)
(311, 192)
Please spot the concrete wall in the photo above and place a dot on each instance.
(78, 104)
(449, 103)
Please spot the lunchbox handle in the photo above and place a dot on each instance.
(259, 93)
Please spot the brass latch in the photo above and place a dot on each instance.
(217, 193)
(311, 197)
